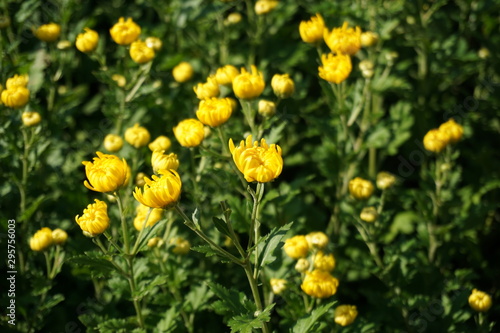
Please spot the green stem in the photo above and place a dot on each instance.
(126, 237)
(97, 241)
(246, 107)
(137, 241)
(255, 292)
(48, 264)
(109, 237)
(133, 289)
(255, 226)
(372, 246)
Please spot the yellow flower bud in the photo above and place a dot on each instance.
(189, 133)
(233, 18)
(15, 97)
(319, 284)
(480, 301)
(262, 163)
(360, 189)
(87, 41)
(160, 143)
(283, 86)
(154, 42)
(63, 45)
(181, 246)
(225, 75)
(106, 173)
(155, 242)
(120, 80)
(278, 285)
(137, 136)
(302, 265)
(385, 180)
(41, 240)
(483, 53)
(208, 89)
(182, 72)
(368, 214)
(265, 6)
(249, 85)
(4, 21)
(369, 38)
(453, 130)
(140, 52)
(139, 179)
(162, 191)
(113, 143)
(160, 161)
(343, 40)
(335, 68)
(59, 236)
(324, 262)
(214, 111)
(267, 108)
(31, 118)
(17, 81)
(312, 31)
(48, 32)
(317, 240)
(366, 65)
(125, 32)
(436, 140)
(95, 219)
(345, 314)
(141, 214)
(296, 247)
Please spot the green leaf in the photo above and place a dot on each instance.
(221, 225)
(206, 249)
(198, 297)
(149, 232)
(308, 323)
(97, 262)
(232, 301)
(32, 208)
(51, 302)
(146, 286)
(168, 323)
(270, 243)
(403, 222)
(378, 138)
(247, 323)
(117, 325)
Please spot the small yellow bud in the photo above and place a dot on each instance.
(48, 32)
(267, 108)
(113, 143)
(368, 214)
(59, 236)
(233, 18)
(181, 246)
(302, 265)
(436, 140)
(95, 219)
(87, 41)
(207, 89)
(160, 143)
(15, 97)
(345, 314)
(317, 240)
(63, 45)
(31, 118)
(125, 32)
(154, 43)
(453, 130)
(249, 85)
(361, 189)
(319, 284)
(120, 80)
(296, 247)
(161, 161)
(283, 86)
(41, 240)
(17, 81)
(480, 301)
(225, 75)
(140, 52)
(385, 180)
(265, 6)
(137, 136)
(189, 133)
(483, 53)
(182, 72)
(139, 179)
(155, 242)
(369, 38)
(278, 285)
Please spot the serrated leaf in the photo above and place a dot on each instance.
(232, 301)
(270, 243)
(149, 232)
(94, 261)
(32, 208)
(149, 285)
(221, 225)
(198, 297)
(306, 323)
(168, 323)
(51, 302)
(207, 250)
(248, 322)
(117, 325)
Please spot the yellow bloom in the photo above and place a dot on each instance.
(454, 130)
(233, 18)
(113, 143)
(189, 132)
(480, 301)
(345, 314)
(278, 285)
(366, 67)
(140, 52)
(125, 32)
(296, 247)
(59, 236)
(160, 161)
(181, 246)
(385, 180)
(208, 89)
(436, 140)
(262, 163)
(182, 72)
(368, 214)
(283, 86)
(137, 136)
(214, 111)
(63, 45)
(265, 6)
(266, 108)
(369, 38)
(139, 179)
(317, 240)
(343, 40)
(483, 53)
(249, 85)
(17, 81)
(154, 42)
(160, 143)
(15, 97)
(360, 188)
(41, 240)
(31, 118)
(95, 219)
(336, 68)
(120, 80)
(140, 216)
(302, 265)
(87, 41)
(324, 262)
(312, 31)
(106, 173)
(155, 242)
(225, 75)
(48, 32)
(319, 284)
(160, 192)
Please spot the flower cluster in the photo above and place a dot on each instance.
(16, 94)
(45, 238)
(436, 140)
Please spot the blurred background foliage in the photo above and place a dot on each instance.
(435, 60)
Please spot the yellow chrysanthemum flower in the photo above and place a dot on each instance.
(161, 161)
(453, 130)
(317, 240)
(360, 188)
(266, 108)
(113, 143)
(324, 262)
(225, 75)
(59, 236)
(48, 32)
(208, 89)
(137, 136)
(385, 180)
(214, 111)
(95, 219)
(160, 192)
(278, 285)
(160, 143)
(15, 97)
(296, 247)
(140, 217)
(262, 163)
(87, 41)
(319, 284)
(31, 118)
(368, 214)
(283, 86)
(480, 301)
(436, 140)
(335, 68)
(125, 32)
(17, 81)
(189, 132)
(249, 85)
(343, 40)
(369, 38)
(41, 240)
(312, 31)
(106, 173)
(140, 52)
(182, 72)
(345, 314)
